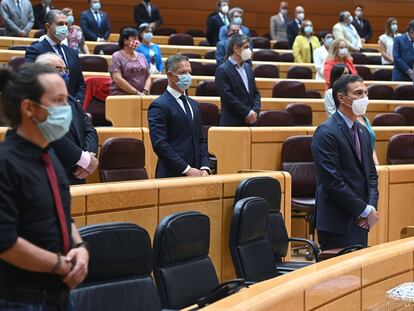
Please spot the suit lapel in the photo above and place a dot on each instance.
(177, 107)
(238, 77)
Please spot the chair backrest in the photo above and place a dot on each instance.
(159, 86)
(364, 72)
(210, 55)
(197, 69)
(299, 72)
(16, 61)
(165, 31)
(401, 149)
(374, 60)
(183, 269)
(192, 55)
(380, 91)
(382, 75)
(359, 58)
(297, 159)
(281, 45)
(195, 33)
(209, 114)
(389, 119)
(275, 118)
(180, 39)
(289, 89)
(286, 58)
(96, 92)
(302, 114)
(122, 158)
(93, 63)
(312, 94)
(106, 48)
(18, 47)
(408, 113)
(404, 92)
(249, 242)
(210, 69)
(39, 33)
(266, 71)
(266, 56)
(119, 267)
(260, 42)
(207, 88)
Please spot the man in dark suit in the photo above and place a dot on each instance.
(57, 30)
(347, 191)
(293, 27)
(95, 23)
(240, 99)
(78, 148)
(145, 12)
(362, 26)
(403, 53)
(216, 20)
(39, 11)
(176, 127)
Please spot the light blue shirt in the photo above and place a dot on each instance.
(242, 72)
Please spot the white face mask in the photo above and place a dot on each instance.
(225, 9)
(359, 106)
(246, 54)
(301, 16)
(342, 52)
(350, 19)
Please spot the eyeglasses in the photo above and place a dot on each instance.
(61, 69)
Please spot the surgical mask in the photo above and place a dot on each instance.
(148, 36)
(225, 9)
(96, 6)
(237, 20)
(329, 41)
(350, 19)
(342, 52)
(359, 106)
(308, 29)
(57, 123)
(65, 77)
(70, 19)
(184, 81)
(284, 11)
(246, 54)
(134, 44)
(300, 16)
(61, 32)
(394, 28)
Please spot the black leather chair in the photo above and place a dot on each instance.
(266, 56)
(197, 69)
(269, 189)
(289, 89)
(281, 45)
(299, 72)
(382, 75)
(275, 118)
(266, 71)
(260, 42)
(210, 55)
(249, 241)
(404, 92)
(302, 114)
(207, 88)
(408, 113)
(359, 58)
(183, 270)
(159, 86)
(210, 69)
(374, 60)
(93, 63)
(106, 48)
(380, 91)
(119, 276)
(364, 72)
(164, 31)
(192, 55)
(195, 33)
(389, 119)
(122, 158)
(180, 39)
(286, 58)
(401, 149)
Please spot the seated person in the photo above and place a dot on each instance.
(75, 38)
(305, 43)
(221, 48)
(151, 50)
(129, 69)
(235, 15)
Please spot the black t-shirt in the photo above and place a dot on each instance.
(27, 209)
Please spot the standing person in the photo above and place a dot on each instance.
(347, 191)
(42, 255)
(95, 23)
(57, 30)
(18, 18)
(146, 12)
(221, 48)
(77, 150)
(39, 11)
(403, 54)
(240, 98)
(279, 22)
(151, 50)
(321, 53)
(305, 43)
(76, 40)
(176, 127)
(344, 29)
(362, 26)
(293, 27)
(386, 41)
(236, 17)
(216, 20)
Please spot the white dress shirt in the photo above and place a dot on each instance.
(319, 56)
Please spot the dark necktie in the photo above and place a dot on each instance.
(311, 52)
(60, 51)
(187, 108)
(98, 19)
(355, 138)
(19, 8)
(51, 175)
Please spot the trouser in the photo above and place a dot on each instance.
(355, 235)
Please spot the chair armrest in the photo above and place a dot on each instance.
(312, 245)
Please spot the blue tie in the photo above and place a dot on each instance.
(19, 8)
(98, 19)
(60, 51)
(186, 108)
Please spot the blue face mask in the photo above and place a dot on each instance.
(237, 20)
(61, 32)
(184, 81)
(96, 6)
(308, 29)
(65, 77)
(148, 36)
(57, 123)
(70, 19)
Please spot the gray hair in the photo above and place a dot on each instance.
(172, 61)
(51, 16)
(48, 58)
(235, 10)
(236, 40)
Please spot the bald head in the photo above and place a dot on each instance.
(50, 59)
(300, 13)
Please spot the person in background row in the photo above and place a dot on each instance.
(305, 43)
(216, 20)
(235, 82)
(42, 254)
(362, 26)
(151, 50)
(39, 11)
(18, 18)
(176, 127)
(129, 69)
(403, 54)
(345, 30)
(293, 27)
(76, 40)
(338, 54)
(386, 41)
(279, 22)
(221, 48)
(146, 12)
(77, 150)
(95, 23)
(236, 17)
(321, 53)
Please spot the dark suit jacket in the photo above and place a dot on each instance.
(365, 32)
(176, 142)
(76, 86)
(292, 31)
(90, 28)
(82, 136)
(403, 53)
(141, 15)
(214, 23)
(345, 185)
(236, 102)
(39, 13)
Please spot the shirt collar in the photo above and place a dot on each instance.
(347, 120)
(174, 92)
(409, 39)
(233, 62)
(94, 12)
(51, 42)
(33, 149)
